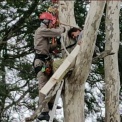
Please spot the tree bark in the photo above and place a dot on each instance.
(74, 87)
(112, 78)
(66, 16)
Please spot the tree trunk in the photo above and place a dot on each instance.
(112, 78)
(74, 87)
(66, 15)
(67, 19)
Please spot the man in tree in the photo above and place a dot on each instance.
(76, 34)
(42, 62)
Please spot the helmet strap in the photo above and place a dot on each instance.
(49, 23)
(46, 22)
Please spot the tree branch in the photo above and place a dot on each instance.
(17, 101)
(20, 55)
(102, 55)
(20, 22)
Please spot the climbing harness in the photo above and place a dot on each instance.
(46, 66)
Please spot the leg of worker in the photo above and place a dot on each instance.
(42, 79)
(57, 63)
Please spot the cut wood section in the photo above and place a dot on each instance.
(61, 71)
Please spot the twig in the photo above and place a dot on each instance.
(103, 55)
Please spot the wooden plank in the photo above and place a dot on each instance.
(61, 71)
(58, 94)
(44, 102)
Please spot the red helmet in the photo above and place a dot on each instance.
(55, 1)
(48, 16)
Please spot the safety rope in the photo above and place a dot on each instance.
(63, 45)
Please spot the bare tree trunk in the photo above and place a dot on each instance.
(66, 15)
(112, 78)
(74, 89)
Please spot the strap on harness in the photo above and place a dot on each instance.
(42, 57)
(46, 67)
(71, 45)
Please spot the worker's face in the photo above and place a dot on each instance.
(51, 24)
(74, 35)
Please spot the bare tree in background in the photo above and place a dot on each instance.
(112, 78)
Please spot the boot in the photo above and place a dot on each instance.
(50, 106)
(44, 116)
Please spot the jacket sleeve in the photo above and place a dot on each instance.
(79, 39)
(53, 32)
